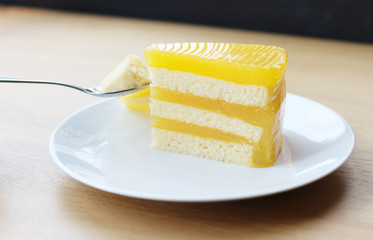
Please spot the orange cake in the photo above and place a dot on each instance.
(219, 101)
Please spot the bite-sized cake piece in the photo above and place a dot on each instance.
(130, 73)
(219, 101)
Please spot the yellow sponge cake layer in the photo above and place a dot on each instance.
(199, 85)
(220, 101)
(232, 152)
(239, 63)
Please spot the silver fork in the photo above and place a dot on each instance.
(95, 91)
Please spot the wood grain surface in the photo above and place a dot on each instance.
(39, 201)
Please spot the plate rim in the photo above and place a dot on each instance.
(205, 198)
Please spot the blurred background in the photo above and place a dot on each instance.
(350, 20)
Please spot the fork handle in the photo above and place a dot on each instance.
(38, 81)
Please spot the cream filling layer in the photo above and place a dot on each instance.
(204, 118)
(185, 82)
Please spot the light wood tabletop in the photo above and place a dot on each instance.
(39, 201)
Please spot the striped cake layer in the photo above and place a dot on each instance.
(216, 146)
(250, 114)
(216, 95)
(203, 118)
(195, 123)
(196, 130)
(211, 122)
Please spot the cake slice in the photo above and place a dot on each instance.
(219, 101)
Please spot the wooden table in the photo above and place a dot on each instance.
(39, 201)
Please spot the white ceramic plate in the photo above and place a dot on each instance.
(107, 146)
